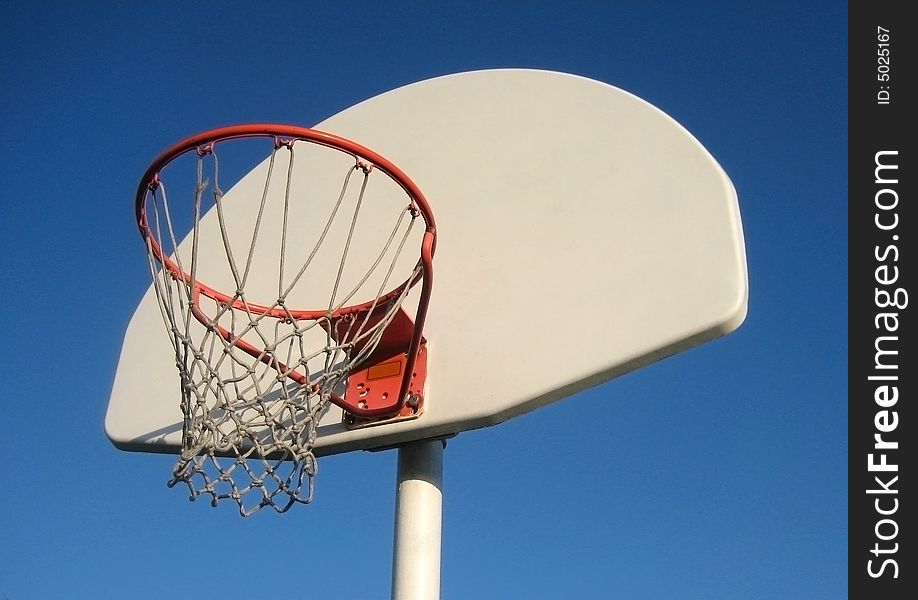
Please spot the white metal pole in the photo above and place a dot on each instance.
(418, 521)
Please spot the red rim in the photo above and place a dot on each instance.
(209, 138)
(205, 142)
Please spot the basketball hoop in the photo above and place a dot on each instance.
(256, 372)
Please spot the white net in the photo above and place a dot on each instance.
(257, 375)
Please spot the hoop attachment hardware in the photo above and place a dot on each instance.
(379, 387)
(283, 142)
(154, 183)
(205, 149)
(364, 165)
(373, 386)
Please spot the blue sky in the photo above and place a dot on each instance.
(719, 473)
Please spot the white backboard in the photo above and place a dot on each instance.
(583, 233)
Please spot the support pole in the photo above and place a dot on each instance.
(418, 521)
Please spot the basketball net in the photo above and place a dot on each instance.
(257, 377)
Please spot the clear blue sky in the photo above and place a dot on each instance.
(719, 473)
